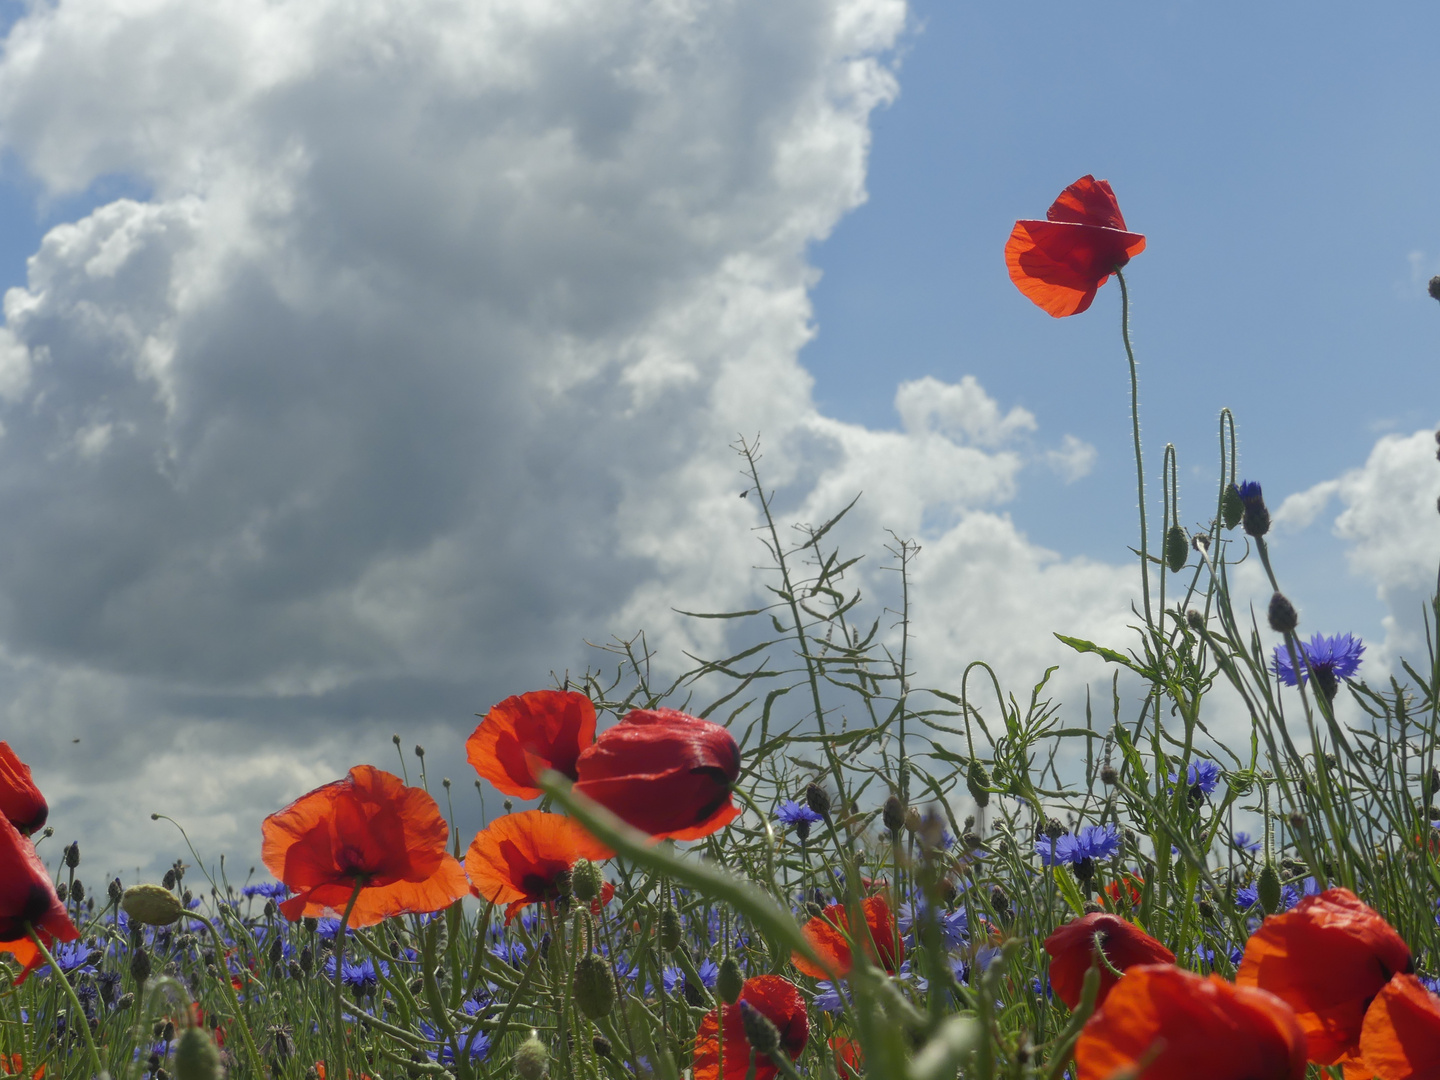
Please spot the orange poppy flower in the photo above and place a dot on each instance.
(779, 1001)
(20, 799)
(368, 830)
(519, 858)
(14, 1065)
(830, 934)
(27, 899)
(1061, 262)
(1400, 1038)
(849, 1058)
(664, 772)
(1327, 957)
(528, 733)
(1072, 950)
(1123, 894)
(1189, 1027)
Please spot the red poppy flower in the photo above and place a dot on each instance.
(27, 899)
(849, 1058)
(1059, 263)
(1072, 950)
(1205, 1029)
(518, 859)
(664, 772)
(1327, 957)
(830, 934)
(526, 734)
(780, 1001)
(368, 830)
(1123, 894)
(1400, 1038)
(20, 799)
(14, 1065)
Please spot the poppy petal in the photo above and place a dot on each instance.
(1060, 266)
(1072, 949)
(779, 1000)
(1088, 202)
(20, 799)
(1400, 1038)
(516, 859)
(526, 734)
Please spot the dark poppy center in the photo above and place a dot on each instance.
(351, 862)
(540, 887)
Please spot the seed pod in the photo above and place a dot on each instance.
(1177, 549)
(1268, 887)
(730, 981)
(977, 781)
(594, 986)
(153, 905)
(196, 1056)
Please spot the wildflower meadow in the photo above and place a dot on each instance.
(794, 862)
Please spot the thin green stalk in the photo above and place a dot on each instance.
(234, 1002)
(341, 1072)
(77, 1011)
(1139, 460)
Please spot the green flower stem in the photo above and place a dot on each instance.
(1139, 460)
(77, 1010)
(342, 1072)
(230, 997)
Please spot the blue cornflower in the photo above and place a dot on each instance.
(954, 925)
(1245, 842)
(478, 1044)
(1256, 519)
(359, 975)
(1201, 774)
(509, 952)
(272, 890)
(831, 997)
(1333, 657)
(798, 817)
(709, 971)
(1093, 842)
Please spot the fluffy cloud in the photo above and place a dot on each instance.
(416, 367)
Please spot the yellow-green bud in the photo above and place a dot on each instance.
(977, 781)
(153, 905)
(196, 1056)
(730, 981)
(586, 881)
(594, 986)
(532, 1060)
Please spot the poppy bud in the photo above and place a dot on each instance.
(730, 981)
(760, 1031)
(196, 1056)
(586, 880)
(1231, 508)
(1268, 889)
(153, 905)
(893, 816)
(669, 930)
(1256, 518)
(1283, 619)
(977, 781)
(1177, 549)
(72, 855)
(594, 986)
(817, 800)
(602, 1046)
(813, 910)
(532, 1059)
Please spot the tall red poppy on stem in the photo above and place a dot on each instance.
(1182, 1026)
(830, 934)
(528, 733)
(20, 800)
(1400, 1039)
(664, 772)
(27, 899)
(521, 858)
(1073, 949)
(779, 1001)
(1326, 957)
(368, 830)
(1061, 262)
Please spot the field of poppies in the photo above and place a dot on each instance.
(793, 862)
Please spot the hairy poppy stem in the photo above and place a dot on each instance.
(342, 1073)
(1139, 461)
(79, 1019)
(230, 995)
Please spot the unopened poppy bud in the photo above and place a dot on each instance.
(1232, 509)
(602, 1046)
(72, 855)
(912, 820)
(1268, 889)
(893, 816)
(669, 930)
(1283, 619)
(760, 1031)
(594, 986)
(730, 981)
(1177, 549)
(1256, 518)
(818, 800)
(586, 880)
(977, 782)
(196, 1056)
(532, 1059)
(153, 905)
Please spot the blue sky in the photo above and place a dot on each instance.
(1283, 161)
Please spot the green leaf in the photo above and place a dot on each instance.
(1083, 646)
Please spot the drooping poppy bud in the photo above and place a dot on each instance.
(977, 782)
(1327, 957)
(20, 800)
(594, 986)
(196, 1056)
(1076, 945)
(664, 772)
(1177, 549)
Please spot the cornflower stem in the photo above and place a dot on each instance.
(230, 997)
(77, 1010)
(1139, 460)
(342, 1071)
